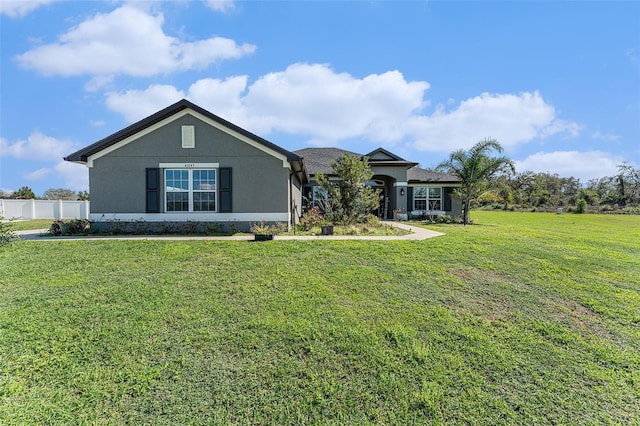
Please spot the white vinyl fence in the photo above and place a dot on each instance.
(44, 209)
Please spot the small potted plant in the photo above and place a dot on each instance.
(262, 231)
(327, 229)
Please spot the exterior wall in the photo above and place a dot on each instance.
(259, 180)
(380, 156)
(296, 199)
(397, 173)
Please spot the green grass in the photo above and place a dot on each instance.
(520, 319)
(27, 225)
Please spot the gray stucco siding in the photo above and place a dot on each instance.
(259, 180)
(397, 173)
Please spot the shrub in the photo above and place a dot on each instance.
(70, 227)
(263, 229)
(7, 235)
(581, 206)
(311, 218)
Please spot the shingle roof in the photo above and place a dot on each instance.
(416, 174)
(318, 160)
(82, 155)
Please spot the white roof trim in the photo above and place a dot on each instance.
(180, 114)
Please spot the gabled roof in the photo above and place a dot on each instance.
(382, 157)
(82, 155)
(418, 175)
(318, 160)
(382, 154)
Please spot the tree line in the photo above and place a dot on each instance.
(50, 194)
(546, 191)
(492, 182)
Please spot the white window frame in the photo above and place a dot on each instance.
(190, 190)
(428, 198)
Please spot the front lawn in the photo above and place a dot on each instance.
(520, 319)
(28, 225)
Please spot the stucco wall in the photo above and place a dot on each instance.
(259, 180)
(397, 173)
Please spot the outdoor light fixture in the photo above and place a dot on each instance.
(401, 191)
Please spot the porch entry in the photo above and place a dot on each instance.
(380, 184)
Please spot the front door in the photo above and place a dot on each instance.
(383, 206)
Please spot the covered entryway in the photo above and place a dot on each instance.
(384, 184)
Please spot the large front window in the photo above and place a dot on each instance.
(319, 197)
(190, 190)
(427, 198)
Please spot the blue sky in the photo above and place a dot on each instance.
(557, 83)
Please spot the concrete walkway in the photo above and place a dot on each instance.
(417, 233)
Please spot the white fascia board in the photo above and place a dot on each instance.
(189, 165)
(90, 159)
(434, 185)
(400, 184)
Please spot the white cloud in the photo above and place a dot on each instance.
(137, 104)
(222, 97)
(38, 174)
(37, 146)
(584, 165)
(314, 100)
(310, 100)
(325, 107)
(607, 137)
(47, 149)
(20, 8)
(75, 176)
(223, 6)
(511, 119)
(127, 41)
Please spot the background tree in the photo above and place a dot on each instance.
(25, 192)
(83, 195)
(349, 200)
(628, 184)
(475, 168)
(60, 194)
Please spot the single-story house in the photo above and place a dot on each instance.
(185, 164)
(405, 187)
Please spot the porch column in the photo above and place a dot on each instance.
(401, 197)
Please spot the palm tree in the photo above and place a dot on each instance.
(474, 168)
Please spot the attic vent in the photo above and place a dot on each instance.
(188, 136)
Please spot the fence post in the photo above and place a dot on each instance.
(60, 212)
(33, 209)
(85, 212)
